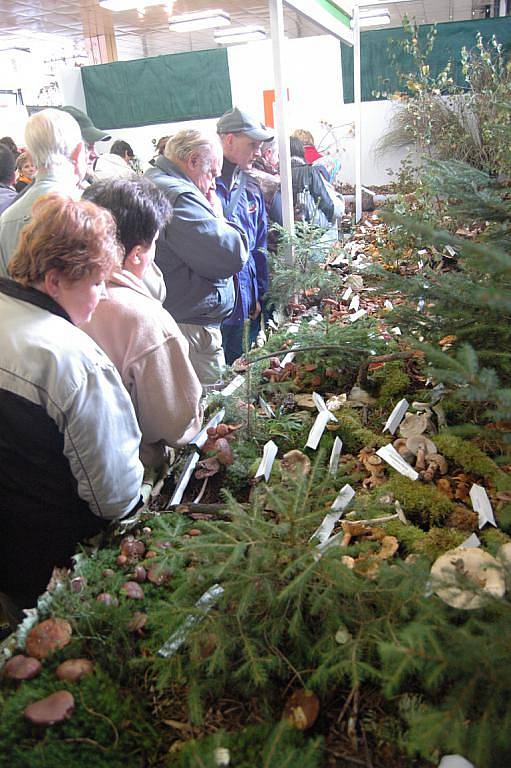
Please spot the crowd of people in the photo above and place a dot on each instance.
(122, 299)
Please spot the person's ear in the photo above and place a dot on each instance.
(52, 281)
(133, 258)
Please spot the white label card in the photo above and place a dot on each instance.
(184, 479)
(354, 303)
(268, 410)
(481, 505)
(347, 293)
(344, 497)
(357, 315)
(233, 385)
(396, 416)
(270, 451)
(389, 454)
(472, 541)
(287, 359)
(388, 304)
(335, 456)
(317, 430)
(176, 640)
(322, 406)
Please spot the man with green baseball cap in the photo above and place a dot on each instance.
(90, 134)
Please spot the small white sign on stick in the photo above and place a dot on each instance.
(357, 315)
(317, 430)
(481, 505)
(322, 406)
(396, 416)
(389, 454)
(344, 497)
(233, 385)
(354, 303)
(335, 456)
(270, 451)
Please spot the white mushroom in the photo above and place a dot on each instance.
(467, 578)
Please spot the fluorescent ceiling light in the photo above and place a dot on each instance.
(190, 22)
(240, 35)
(374, 17)
(128, 5)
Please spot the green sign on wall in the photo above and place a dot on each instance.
(161, 89)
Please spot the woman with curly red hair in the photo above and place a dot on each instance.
(69, 440)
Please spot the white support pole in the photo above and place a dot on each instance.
(281, 121)
(357, 92)
(502, 8)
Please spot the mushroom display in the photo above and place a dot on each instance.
(73, 670)
(375, 466)
(467, 578)
(301, 709)
(22, 667)
(53, 709)
(47, 637)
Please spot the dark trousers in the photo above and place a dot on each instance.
(232, 338)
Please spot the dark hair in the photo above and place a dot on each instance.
(138, 207)
(7, 165)
(74, 237)
(120, 148)
(296, 147)
(10, 144)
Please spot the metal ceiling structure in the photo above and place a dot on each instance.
(80, 26)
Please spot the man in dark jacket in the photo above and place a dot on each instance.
(199, 251)
(243, 204)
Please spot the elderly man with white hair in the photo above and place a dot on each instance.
(54, 140)
(198, 251)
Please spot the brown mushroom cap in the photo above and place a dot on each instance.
(48, 636)
(53, 709)
(22, 667)
(73, 670)
(415, 442)
(223, 451)
(137, 622)
(439, 460)
(133, 590)
(296, 463)
(403, 450)
(301, 709)
(414, 424)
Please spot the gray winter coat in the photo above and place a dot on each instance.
(198, 252)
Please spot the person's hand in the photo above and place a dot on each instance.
(215, 203)
(256, 312)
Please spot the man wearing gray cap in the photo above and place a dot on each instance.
(243, 204)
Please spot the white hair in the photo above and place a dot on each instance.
(185, 143)
(51, 136)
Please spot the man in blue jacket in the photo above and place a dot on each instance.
(243, 204)
(198, 251)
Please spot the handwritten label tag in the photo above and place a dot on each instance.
(268, 410)
(176, 640)
(322, 406)
(354, 303)
(317, 430)
(357, 315)
(328, 523)
(396, 416)
(335, 456)
(389, 454)
(287, 358)
(270, 450)
(201, 437)
(481, 505)
(184, 479)
(347, 293)
(233, 385)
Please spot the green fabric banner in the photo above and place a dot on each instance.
(378, 73)
(161, 89)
